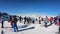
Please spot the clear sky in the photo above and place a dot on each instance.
(50, 7)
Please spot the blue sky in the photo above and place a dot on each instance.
(50, 7)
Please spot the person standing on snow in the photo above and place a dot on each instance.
(15, 24)
(2, 26)
(20, 19)
(55, 19)
(39, 20)
(11, 21)
(42, 20)
(25, 19)
(29, 20)
(51, 20)
(33, 20)
(46, 20)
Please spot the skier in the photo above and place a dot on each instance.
(36, 19)
(55, 19)
(42, 22)
(20, 18)
(25, 19)
(42, 19)
(33, 20)
(28, 20)
(15, 24)
(51, 20)
(46, 21)
(11, 21)
(39, 20)
(2, 26)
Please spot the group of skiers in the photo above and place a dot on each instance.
(46, 20)
(13, 21)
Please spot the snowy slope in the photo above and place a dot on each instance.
(37, 30)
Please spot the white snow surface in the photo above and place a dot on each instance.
(39, 29)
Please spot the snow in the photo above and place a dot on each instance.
(39, 29)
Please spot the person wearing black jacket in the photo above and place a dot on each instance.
(2, 26)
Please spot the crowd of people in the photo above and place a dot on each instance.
(13, 21)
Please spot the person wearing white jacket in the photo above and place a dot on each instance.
(46, 20)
